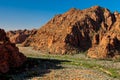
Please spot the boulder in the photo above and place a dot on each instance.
(10, 57)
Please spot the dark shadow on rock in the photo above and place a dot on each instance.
(77, 40)
(33, 67)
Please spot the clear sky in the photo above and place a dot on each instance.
(21, 14)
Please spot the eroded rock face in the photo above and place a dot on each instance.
(108, 46)
(10, 56)
(75, 30)
(19, 36)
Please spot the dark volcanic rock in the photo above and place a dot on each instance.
(10, 57)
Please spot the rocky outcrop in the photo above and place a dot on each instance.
(19, 36)
(10, 57)
(108, 46)
(74, 31)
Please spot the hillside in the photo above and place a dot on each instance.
(95, 29)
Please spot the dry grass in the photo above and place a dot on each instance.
(64, 67)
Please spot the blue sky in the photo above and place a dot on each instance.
(21, 14)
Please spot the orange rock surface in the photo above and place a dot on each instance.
(79, 30)
(19, 36)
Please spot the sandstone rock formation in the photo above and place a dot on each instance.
(109, 44)
(78, 30)
(19, 36)
(10, 56)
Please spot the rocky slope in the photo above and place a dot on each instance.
(19, 36)
(79, 30)
(10, 57)
(109, 42)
